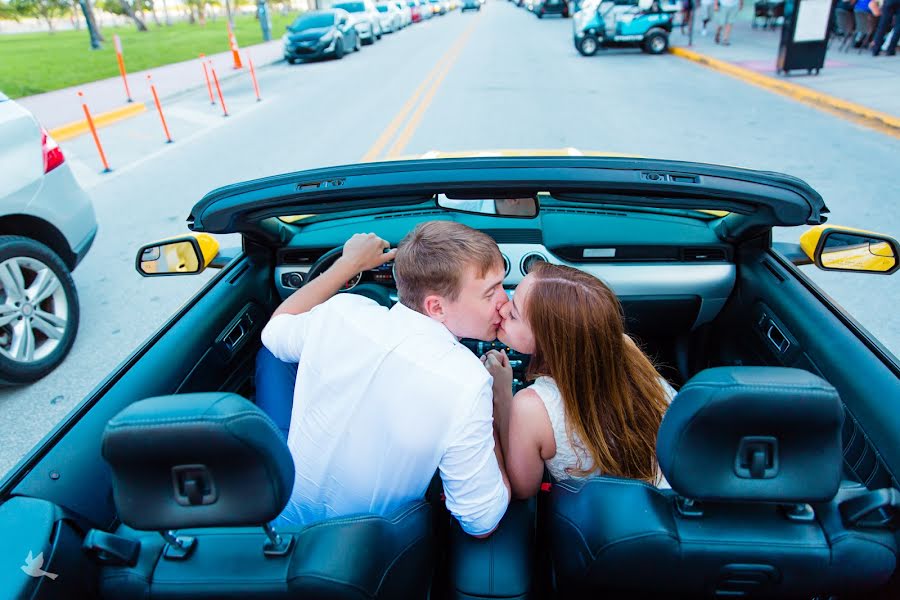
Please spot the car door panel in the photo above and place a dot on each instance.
(184, 355)
(772, 292)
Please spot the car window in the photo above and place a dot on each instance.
(313, 21)
(382, 8)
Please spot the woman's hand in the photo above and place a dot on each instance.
(497, 364)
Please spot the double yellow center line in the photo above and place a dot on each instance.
(426, 92)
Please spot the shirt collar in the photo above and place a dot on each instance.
(415, 319)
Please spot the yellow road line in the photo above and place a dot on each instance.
(436, 75)
(416, 118)
(874, 119)
(71, 130)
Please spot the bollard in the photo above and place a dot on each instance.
(159, 109)
(90, 121)
(218, 89)
(253, 77)
(235, 53)
(206, 75)
(118, 45)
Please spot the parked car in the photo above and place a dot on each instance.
(364, 17)
(391, 20)
(470, 5)
(438, 7)
(551, 7)
(47, 226)
(405, 12)
(645, 24)
(785, 426)
(320, 33)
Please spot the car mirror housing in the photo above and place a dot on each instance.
(835, 248)
(183, 255)
(502, 207)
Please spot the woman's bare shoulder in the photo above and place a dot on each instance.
(530, 416)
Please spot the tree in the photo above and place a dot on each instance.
(8, 12)
(43, 9)
(88, 9)
(130, 8)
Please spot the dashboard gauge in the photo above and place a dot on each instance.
(351, 283)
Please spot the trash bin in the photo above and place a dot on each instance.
(804, 35)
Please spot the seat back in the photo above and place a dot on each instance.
(753, 456)
(212, 465)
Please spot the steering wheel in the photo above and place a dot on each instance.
(374, 291)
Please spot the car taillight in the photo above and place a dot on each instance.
(53, 156)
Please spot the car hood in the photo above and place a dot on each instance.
(755, 199)
(309, 34)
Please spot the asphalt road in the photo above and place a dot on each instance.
(496, 79)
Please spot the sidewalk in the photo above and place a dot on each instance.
(860, 78)
(62, 107)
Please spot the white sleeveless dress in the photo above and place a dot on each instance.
(568, 451)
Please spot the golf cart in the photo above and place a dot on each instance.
(623, 23)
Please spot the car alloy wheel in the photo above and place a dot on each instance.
(339, 49)
(38, 310)
(656, 43)
(358, 45)
(588, 45)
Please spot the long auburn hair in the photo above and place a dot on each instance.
(611, 392)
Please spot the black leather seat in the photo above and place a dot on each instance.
(757, 507)
(212, 466)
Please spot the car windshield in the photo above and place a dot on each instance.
(351, 6)
(597, 204)
(313, 21)
(382, 8)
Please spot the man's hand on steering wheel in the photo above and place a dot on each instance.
(365, 251)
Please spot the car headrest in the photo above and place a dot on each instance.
(766, 434)
(197, 460)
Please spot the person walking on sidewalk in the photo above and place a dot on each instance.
(707, 13)
(890, 13)
(728, 11)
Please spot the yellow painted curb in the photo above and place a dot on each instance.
(882, 121)
(70, 130)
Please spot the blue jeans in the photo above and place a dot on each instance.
(275, 380)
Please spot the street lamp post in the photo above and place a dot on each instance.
(92, 31)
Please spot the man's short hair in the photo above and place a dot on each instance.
(432, 258)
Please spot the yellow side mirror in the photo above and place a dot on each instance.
(836, 248)
(177, 256)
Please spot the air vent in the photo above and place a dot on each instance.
(529, 260)
(505, 265)
(302, 257)
(409, 214)
(582, 211)
(515, 236)
(704, 254)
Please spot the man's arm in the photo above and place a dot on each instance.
(362, 252)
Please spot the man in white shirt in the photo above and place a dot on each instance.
(384, 397)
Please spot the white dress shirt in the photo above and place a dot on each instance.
(384, 398)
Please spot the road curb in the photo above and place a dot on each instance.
(77, 128)
(875, 119)
(71, 130)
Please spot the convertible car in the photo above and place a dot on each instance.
(782, 445)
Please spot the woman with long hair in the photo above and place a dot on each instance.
(596, 402)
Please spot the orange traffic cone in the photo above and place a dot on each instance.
(235, 51)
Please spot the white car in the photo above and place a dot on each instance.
(405, 12)
(365, 18)
(389, 14)
(47, 225)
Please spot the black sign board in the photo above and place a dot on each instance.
(804, 35)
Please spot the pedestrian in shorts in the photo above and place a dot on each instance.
(707, 13)
(728, 11)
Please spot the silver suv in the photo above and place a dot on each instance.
(365, 18)
(47, 225)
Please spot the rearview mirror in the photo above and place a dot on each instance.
(177, 256)
(504, 207)
(834, 248)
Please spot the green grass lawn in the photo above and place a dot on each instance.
(33, 63)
